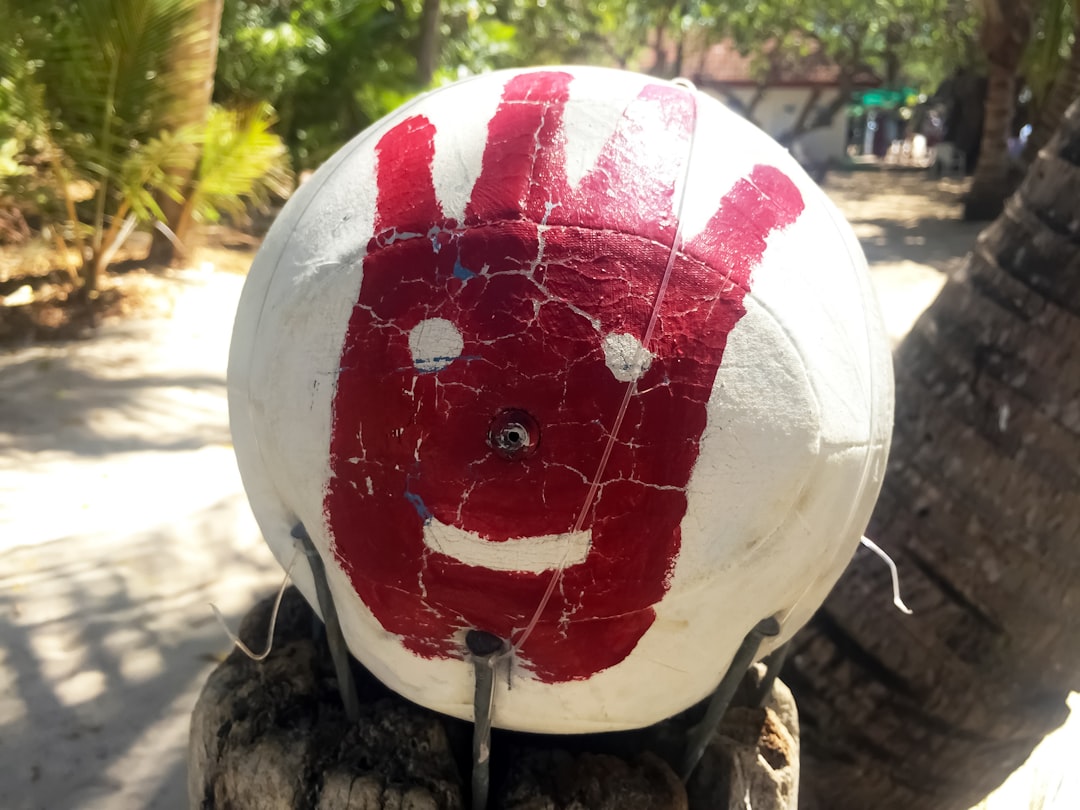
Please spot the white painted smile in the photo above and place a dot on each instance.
(546, 552)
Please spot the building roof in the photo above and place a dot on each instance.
(720, 64)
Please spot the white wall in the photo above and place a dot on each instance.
(779, 109)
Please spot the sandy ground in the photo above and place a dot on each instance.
(122, 517)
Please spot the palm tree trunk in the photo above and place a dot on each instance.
(427, 55)
(193, 66)
(1066, 87)
(1005, 32)
(981, 511)
(990, 185)
(680, 43)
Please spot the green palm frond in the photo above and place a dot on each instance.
(158, 167)
(10, 166)
(1049, 46)
(102, 63)
(242, 162)
(111, 73)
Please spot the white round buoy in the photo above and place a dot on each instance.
(575, 357)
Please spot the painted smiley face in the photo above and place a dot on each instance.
(474, 447)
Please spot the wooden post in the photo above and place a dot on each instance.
(273, 734)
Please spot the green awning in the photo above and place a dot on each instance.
(879, 97)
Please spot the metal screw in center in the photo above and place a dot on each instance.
(514, 433)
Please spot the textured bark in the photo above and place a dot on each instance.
(1005, 32)
(272, 734)
(755, 756)
(981, 511)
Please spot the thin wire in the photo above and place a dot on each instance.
(631, 389)
(235, 639)
(878, 550)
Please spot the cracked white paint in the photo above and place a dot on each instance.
(625, 357)
(434, 344)
(547, 552)
(798, 418)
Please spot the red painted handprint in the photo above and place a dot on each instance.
(486, 360)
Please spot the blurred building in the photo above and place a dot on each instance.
(783, 93)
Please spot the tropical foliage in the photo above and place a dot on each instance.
(85, 114)
(332, 66)
(239, 163)
(1052, 68)
(905, 42)
(91, 145)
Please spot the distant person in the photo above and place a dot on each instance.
(881, 138)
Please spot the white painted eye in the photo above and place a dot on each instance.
(434, 344)
(625, 357)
